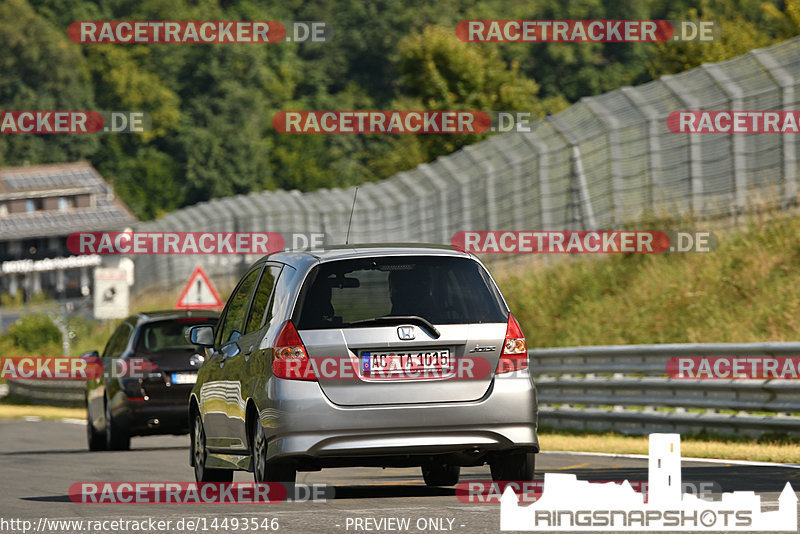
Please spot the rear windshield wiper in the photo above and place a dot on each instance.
(400, 319)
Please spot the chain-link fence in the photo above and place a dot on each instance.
(605, 161)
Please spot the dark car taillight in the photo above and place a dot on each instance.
(150, 370)
(515, 349)
(289, 357)
(138, 370)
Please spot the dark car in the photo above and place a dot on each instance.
(149, 370)
(364, 356)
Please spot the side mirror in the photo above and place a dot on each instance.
(89, 355)
(202, 335)
(94, 365)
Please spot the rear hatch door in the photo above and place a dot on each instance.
(402, 330)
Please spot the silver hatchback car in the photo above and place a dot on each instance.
(388, 356)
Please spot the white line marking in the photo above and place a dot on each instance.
(708, 460)
(72, 421)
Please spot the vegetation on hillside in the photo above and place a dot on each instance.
(212, 105)
(747, 290)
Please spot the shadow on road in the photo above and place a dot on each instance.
(85, 451)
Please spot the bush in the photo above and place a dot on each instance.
(31, 332)
(9, 301)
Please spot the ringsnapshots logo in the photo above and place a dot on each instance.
(569, 504)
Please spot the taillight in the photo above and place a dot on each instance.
(133, 375)
(515, 350)
(150, 369)
(289, 357)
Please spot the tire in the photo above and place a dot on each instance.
(439, 474)
(201, 472)
(515, 466)
(117, 439)
(95, 439)
(264, 471)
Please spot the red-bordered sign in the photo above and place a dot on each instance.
(199, 293)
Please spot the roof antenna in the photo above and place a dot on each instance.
(347, 239)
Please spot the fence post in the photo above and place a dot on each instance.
(612, 135)
(544, 180)
(584, 198)
(444, 220)
(654, 126)
(695, 152)
(466, 197)
(736, 95)
(789, 156)
(491, 208)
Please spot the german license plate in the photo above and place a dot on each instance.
(398, 364)
(184, 378)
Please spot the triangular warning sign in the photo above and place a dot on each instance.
(199, 293)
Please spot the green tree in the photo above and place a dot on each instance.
(742, 28)
(438, 72)
(41, 70)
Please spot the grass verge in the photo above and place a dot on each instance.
(747, 290)
(18, 411)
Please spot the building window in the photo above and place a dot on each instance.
(33, 204)
(65, 203)
(3, 209)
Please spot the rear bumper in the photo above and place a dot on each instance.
(143, 418)
(311, 430)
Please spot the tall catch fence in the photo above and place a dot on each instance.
(604, 162)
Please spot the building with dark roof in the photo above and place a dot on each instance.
(40, 206)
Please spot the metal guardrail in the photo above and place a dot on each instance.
(626, 388)
(617, 387)
(53, 392)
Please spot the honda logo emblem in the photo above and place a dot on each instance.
(405, 332)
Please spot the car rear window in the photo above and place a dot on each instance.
(443, 290)
(169, 335)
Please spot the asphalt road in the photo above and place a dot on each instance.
(40, 460)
